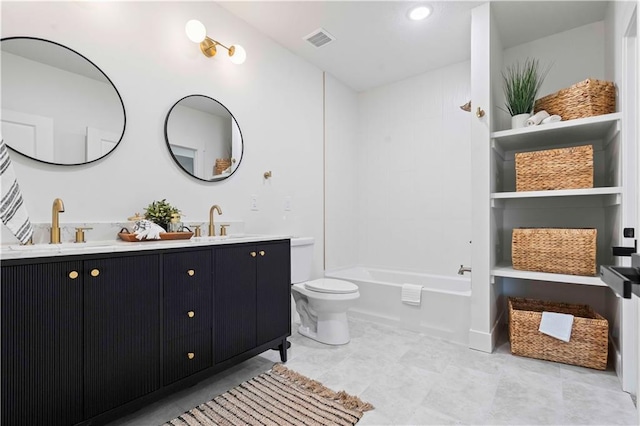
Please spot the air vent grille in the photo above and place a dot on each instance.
(319, 37)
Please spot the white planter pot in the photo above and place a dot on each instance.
(519, 120)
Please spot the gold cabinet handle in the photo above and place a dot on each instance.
(95, 272)
(261, 252)
(73, 275)
(479, 112)
(253, 254)
(191, 355)
(191, 314)
(191, 272)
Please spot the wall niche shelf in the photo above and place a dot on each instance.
(565, 133)
(507, 271)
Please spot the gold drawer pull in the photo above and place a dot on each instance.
(191, 355)
(191, 314)
(95, 272)
(73, 275)
(191, 272)
(253, 254)
(261, 252)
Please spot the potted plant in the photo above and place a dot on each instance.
(159, 212)
(521, 85)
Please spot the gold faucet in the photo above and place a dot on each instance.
(212, 230)
(58, 207)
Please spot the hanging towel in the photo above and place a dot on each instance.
(12, 210)
(551, 119)
(537, 118)
(411, 294)
(556, 325)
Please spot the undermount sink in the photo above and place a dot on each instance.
(34, 247)
(225, 237)
(60, 246)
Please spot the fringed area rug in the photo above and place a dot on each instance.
(278, 397)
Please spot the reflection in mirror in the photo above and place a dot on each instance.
(57, 106)
(203, 138)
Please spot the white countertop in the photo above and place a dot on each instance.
(110, 246)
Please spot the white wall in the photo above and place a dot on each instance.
(573, 55)
(275, 96)
(341, 177)
(414, 178)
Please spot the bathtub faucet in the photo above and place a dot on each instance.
(464, 269)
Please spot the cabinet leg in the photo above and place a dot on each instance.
(282, 347)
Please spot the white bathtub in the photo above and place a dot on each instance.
(443, 312)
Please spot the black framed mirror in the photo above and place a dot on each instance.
(203, 138)
(58, 107)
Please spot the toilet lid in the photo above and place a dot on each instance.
(326, 285)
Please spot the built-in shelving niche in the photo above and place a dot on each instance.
(596, 207)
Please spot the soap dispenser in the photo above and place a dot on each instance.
(175, 225)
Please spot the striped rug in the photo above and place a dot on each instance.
(278, 397)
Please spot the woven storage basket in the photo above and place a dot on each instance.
(221, 165)
(587, 346)
(555, 250)
(562, 168)
(584, 99)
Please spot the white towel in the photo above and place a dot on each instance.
(12, 210)
(147, 230)
(537, 118)
(411, 294)
(551, 119)
(556, 325)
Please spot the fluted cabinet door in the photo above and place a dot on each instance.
(234, 298)
(122, 331)
(41, 344)
(273, 291)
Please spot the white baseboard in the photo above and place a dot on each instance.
(483, 341)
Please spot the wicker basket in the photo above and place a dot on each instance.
(221, 165)
(588, 345)
(563, 168)
(584, 99)
(555, 250)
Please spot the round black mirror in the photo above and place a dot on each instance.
(204, 138)
(58, 107)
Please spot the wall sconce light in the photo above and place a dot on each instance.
(197, 33)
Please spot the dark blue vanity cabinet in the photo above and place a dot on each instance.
(187, 303)
(273, 299)
(121, 331)
(41, 344)
(252, 304)
(87, 339)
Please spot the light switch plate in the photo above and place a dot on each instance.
(254, 202)
(287, 203)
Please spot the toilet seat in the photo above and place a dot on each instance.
(331, 286)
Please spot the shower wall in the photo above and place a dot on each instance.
(414, 181)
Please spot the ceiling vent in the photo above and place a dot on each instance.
(319, 37)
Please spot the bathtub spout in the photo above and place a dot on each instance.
(464, 269)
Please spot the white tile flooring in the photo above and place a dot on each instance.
(413, 379)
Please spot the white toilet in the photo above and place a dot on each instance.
(322, 304)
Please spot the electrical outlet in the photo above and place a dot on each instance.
(254, 202)
(287, 203)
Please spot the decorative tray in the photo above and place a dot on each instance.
(126, 236)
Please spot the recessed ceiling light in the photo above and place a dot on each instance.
(419, 13)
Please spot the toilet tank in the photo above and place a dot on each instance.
(301, 259)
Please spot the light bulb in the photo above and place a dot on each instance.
(419, 13)
(239, 54)
(195, 31)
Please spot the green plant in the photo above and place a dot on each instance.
(521, 85)
(160, 212)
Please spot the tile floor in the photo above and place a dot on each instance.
(413, 379)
